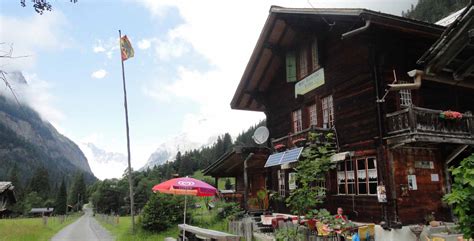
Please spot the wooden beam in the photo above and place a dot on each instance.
(465, 69)
(455, 153)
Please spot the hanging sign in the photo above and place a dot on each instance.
(309, 83)
(381, 194)
(424, 164)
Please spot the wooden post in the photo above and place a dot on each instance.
(246, 182)
(412, 119)
(130, 184)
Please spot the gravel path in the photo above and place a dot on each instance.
(86, 228)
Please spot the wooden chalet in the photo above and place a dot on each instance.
(346, 71)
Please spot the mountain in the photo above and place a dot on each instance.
(105, 164)
(29, 143)
(167, 151)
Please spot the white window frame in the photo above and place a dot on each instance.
(351, 177)
(405, 97)
(297, 120)
(328, 111)
(313, 114)
(303, 61)
(281, 183)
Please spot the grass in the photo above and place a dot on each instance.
(31, 229)
(202, 218)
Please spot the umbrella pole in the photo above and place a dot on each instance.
(184, 227)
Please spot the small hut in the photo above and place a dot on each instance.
(40, 212)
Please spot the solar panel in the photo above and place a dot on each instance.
(291, 155)
(284, 157)
(274, 159)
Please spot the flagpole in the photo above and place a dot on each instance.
(132, 211)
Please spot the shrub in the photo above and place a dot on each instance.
(162, 211)
(462, 195)
(230, 210)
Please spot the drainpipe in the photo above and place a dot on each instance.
(246, 182)
(416, 75)
(356, 31)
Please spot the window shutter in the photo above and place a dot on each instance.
(290, 66)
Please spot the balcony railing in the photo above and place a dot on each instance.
(427, 121)
(288, 141)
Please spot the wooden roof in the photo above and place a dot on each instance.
(451, 59)
(278, 32)
(231, 164)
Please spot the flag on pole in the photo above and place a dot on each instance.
(126, 48)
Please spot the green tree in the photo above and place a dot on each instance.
(78, 196)
(162, 211)
(462, 195)
(434, 10)
(61, 200)
(32, 200)
(39, 183)
(310, 172)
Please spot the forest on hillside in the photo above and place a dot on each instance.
(111, 195)
(433, 10)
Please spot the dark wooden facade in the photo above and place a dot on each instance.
(361, 52)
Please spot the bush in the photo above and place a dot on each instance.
(162, 211)
(230, 210)
(462, 195)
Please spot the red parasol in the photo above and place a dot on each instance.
(185, 186)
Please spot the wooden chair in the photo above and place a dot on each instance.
(363, 232)
(371, 227)
(323, 233)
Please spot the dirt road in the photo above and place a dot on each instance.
(86, 228)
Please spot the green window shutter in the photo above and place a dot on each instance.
(290, 66)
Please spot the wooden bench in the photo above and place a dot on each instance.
(207, 234)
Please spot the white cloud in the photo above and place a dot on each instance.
(36, 94)
(109, 47)
(225, 37)
(144, 44)
(99, 74)
(30, 35)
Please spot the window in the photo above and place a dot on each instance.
(315, 54)
(328, 112)
(405, 96)
(313, 115)
(290, 61)
(364, 176)
(297, 121)
(303, 61)
(281, 183)
(345, 178)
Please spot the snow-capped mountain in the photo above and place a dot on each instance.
(167, 151)
(104, 164)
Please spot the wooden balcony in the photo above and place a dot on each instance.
(415, 124)
(291, 139)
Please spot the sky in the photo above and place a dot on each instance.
(189, 58)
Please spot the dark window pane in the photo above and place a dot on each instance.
(362, 188)
(371, 163)
(340, 166)
(373, 188)
(351, 188)
(342, 189)
(349, 165)
(361, 164)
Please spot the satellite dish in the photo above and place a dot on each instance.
(260, 135)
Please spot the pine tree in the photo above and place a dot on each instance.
(61, 200)
(39, 183)
(77, 195)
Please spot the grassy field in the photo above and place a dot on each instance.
(122, 231)
(31, 229)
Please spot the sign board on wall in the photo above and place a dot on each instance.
(381, 194)
(434, 177)
(309, 83)
(424, 164)
(412, 182)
